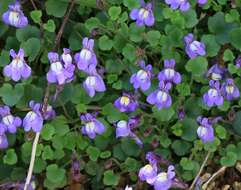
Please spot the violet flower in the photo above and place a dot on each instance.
(68, 65)
(148, 173)
(18, 68)
(183, 5)
(202, 2)
(9, 122)
(229, 90)
(94, 83)
(86, 59)
(168, 74)
(161, 98)
(92, 126)
(194, 48)
(205, 131)
(144, 15)
(213, 96)
(216, 72)
(3, 138)
(50, 113)
(124, 129)
(59, 73)
(33, 120)
(126, 103)
(142, 79)
(238, 62)
(163, 180)
(14, 16)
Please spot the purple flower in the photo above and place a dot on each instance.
(18, 68)
(216, 72)
(94, 83)
(148, 173)
(229, 90)
(181, 113)
(92, 126)
(86, 59)
(126, 103)
(163, 180)
(67, 62)
(142, 79)
(168, 74)
(59, 72)
(160, 98)
(193, 48)
(238, 62)
(213, 96)
(205, 131)
(50, 113)
(144, 15)
(202, 2)
(9, 122)
(3, 140)
(33, 120)
(14, 16)
(124, 129)
(183, 5)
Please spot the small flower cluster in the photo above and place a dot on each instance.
(86, 61)
(183, 5)
(151, 174)
(32, 121)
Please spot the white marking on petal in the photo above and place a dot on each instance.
(31, 116)
(169, 73)
(122, 124)
(125, 100)
(194, 46)
(202, 131)
(67, 58)
(90, 81)
(142, 75)
(229, 89)
(90, 127)
(14, 17)
(216, 76)
(212, 92)
(17, 63)
(161, 177)
(85, 54)
(56, 67)
(162, 96)
(8, 120)
(143, 13)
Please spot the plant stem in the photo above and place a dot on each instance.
(200, 171)
(45, 102)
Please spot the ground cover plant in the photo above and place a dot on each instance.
(120, 94)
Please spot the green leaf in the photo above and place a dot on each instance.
(56, 8)
(10, 157)
(47, 132)
(54, 173)
(93, 153)
(105, 154)
(163, 114)
(212, 47)
(4, 58)
(31, 48)
(105, 43)
(237, 123)
(114, 12)
(11, 96)
(232, 16)
(190, 18)
(112, 113)
(131, 4)
(92, 23)
(197, 66)
(50, 26)
(131, 164)
(27, 32)
(110, 178)
(186, 164)
(130, 147)
(36, 16)
(61, 126)
(181, 147)
(229, 160)
(228, 55)
(183, 89)
(39, 165)
(48, 153)
(236, 38)
(153, 37)
(129, 52)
